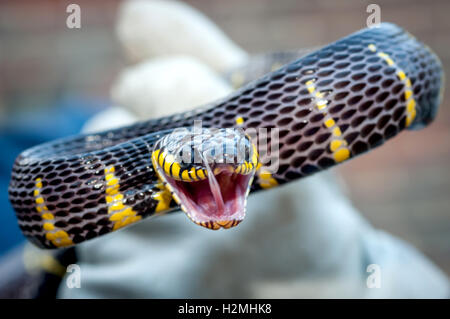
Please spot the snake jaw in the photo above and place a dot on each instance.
(209, 173)
(218, 201)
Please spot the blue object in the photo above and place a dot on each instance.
(26, 129)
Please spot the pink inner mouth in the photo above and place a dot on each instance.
(217, 198)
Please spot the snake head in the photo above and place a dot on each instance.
(209, 173)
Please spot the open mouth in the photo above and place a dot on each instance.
(216, 201)
(208, 172)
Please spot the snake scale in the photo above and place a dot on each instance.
(330, 105)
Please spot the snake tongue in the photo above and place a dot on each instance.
(215, 190)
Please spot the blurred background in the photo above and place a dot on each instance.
(52, 79)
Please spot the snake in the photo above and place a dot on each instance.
(326, 107)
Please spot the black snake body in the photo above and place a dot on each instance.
(330, 105)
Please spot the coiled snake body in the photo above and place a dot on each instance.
(328, 106)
